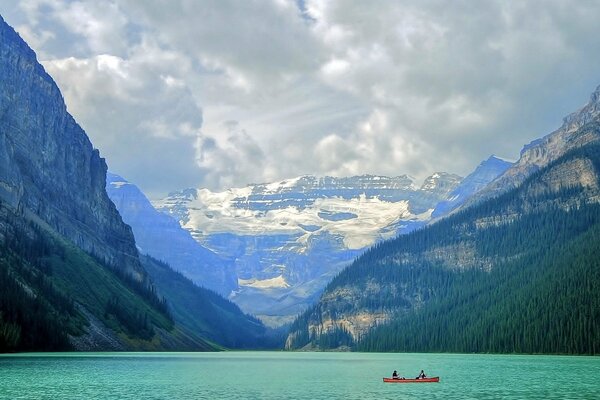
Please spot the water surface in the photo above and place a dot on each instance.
(281, 375)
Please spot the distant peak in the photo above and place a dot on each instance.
(443, 175)
(111, 177)
(495, 158)
(595, 97)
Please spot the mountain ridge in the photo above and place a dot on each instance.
(542, 151)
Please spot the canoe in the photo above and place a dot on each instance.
(423, 380)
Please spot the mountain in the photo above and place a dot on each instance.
(287, 239)
(70, 272)
(162, 237)
(541, 152)
(197, 309)
(71, 277)
(516, 272)
(485, 173)
(48, 166)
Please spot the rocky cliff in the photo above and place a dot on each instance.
(48, 167)
(543, 151)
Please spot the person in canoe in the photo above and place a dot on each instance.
(396, 376)
(421, 375)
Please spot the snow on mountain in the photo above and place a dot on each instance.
(287, 239)
(358, 220)
(354, 208)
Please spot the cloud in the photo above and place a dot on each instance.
(80, 28)
(462, 80)
(258, 45)
(322, 87)
(233, 156)
(102, 24)
(145, 119)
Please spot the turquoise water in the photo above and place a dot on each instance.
(283, 375)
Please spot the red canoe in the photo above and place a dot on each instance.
(422, 380)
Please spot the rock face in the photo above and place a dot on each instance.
(543, 151)
(162, 237)
(288, 239)
(48, 167)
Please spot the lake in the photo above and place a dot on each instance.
(287, 375)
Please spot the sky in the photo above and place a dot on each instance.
(221, 93)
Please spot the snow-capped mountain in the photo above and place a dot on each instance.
(288, 238)
(360, 210)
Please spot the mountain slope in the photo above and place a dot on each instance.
(71, 276)
(54, 296)
(202, 312)
(162, 237)
(516, 273)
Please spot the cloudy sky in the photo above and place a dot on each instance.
(220, 93)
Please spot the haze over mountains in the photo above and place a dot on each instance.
(161, 236)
